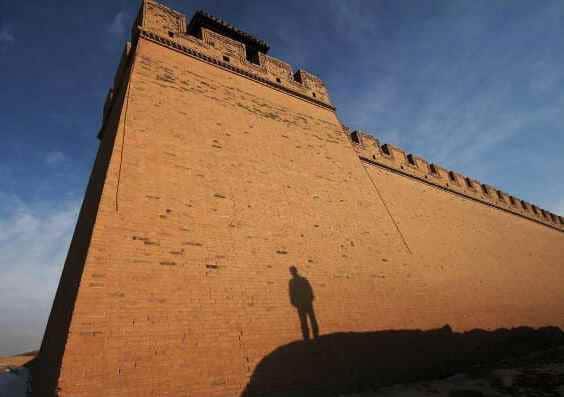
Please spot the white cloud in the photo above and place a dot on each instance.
(440, 95)
(558, 209)
(545, 77)
(345, 14)
(33, 243)
(54, 158)
(6, 36)
(118, 25)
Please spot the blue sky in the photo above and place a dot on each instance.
(476, 86)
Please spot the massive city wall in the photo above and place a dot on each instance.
(494, 260)
(218, 176)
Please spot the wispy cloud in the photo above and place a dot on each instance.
(33, 241)
(558, 208)
(545, 77)
(6, 35)
(443, 86)
(118, 25)
(54, 158)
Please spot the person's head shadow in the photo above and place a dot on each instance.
(301, 297)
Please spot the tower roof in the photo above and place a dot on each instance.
(203, 19)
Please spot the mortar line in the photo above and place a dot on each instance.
(387, 209)
(403, 239)
(128, 92)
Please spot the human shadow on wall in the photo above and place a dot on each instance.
(359, 361)
(301, 297)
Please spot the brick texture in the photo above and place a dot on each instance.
(210, 183)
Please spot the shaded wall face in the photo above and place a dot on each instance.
(216, 186)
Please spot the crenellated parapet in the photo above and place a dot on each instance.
(388, 156)
(215, 41)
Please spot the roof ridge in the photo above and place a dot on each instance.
(247, 37)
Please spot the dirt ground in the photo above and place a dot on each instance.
(15, 361)
(540, 374)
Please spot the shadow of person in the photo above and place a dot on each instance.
(301, 297)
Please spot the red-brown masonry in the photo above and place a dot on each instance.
(209, 184)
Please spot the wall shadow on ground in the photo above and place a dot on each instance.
(354, 362)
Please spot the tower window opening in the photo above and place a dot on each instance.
(355, 137)
(278, 80)
(226, 58)
(252, 55)
(313, 93)
(410, 159)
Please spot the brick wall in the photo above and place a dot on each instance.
(214, 184)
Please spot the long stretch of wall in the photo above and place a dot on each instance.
(507, 255)
(210, 183)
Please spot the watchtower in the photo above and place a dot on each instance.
(219, 168)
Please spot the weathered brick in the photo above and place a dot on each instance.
(212, 180)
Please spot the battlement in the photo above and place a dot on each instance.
(215, 41)
(388, 156)
(219, 175)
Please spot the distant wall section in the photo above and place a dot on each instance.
(494, 260)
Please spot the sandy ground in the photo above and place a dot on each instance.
(15, 361)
